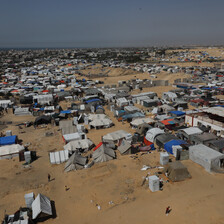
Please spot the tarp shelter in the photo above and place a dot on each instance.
(22, 111)
(124, 148)
(8, 140)
(103, 154)
(10, 151)
(29, 198)
(164, 138)
(152, 133)
(81, 145)
(138, 121)
(210, 159)
(177, 113)
(143, 128)
(58, 157)
(42, 120)
(116, 135)
(168, 146)
(75, 162)
(176, 171)
(41, 207)
(73, 136)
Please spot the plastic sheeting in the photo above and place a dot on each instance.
(41, 204)
(58, 157)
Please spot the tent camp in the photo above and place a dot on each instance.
(41, 207)
(103, 154)
(10, 151)
(75, 162)
(82, 145)
(210, 159)
(176, 171)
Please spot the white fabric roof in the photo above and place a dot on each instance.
(77, 144)
(139, 121)
(58, 157)
(192, 130)
(215, 110)
(113, 136)
(10, 149)
(152, 133)
(41, 204)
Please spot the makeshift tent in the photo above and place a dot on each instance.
(75, 162)
(8, 140)
(177, 113)
(41, 207)
(81, 145)
(168, 146)
(117, 135)
(22, 111)
(164, 138)
(210, 159)
(73, 136)
(42, 120)
(176, 171)
(138, 121)
(103, 154)
(58, 157)
(143, 128)
(125, 147)
(10, 151)
(152, 133)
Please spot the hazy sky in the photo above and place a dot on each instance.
(114, 23)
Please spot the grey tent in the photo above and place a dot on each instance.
(210, 159)
(160, 140)
(103, 154)
(125, 147)
(176, 171)
(75, 162)
(143, 128)
(41, 207)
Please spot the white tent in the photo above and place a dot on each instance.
(58, 157)
(152, 133)
(206, 157)
(41, 206)
(192, 130)
(9, 151)
(22, 111)
(138, 121)
(117, 135)
(78, 144)
(74, 136)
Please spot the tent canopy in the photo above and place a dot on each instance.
(8, 140)
(169, 145)
(41, 206)
(176, 171)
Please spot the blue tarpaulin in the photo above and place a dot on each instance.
(177, 113)
(65, 112)
(168, 145)
(92, 100)
(8, 140)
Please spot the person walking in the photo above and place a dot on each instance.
(168, 210)
(49, 177)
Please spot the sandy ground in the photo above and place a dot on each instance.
(197, 200)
